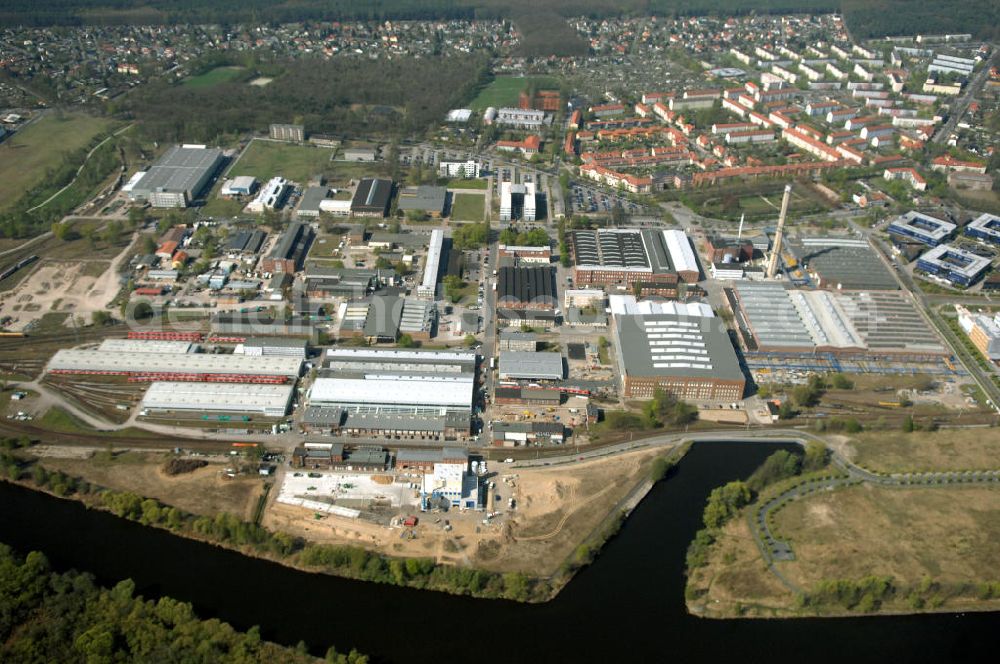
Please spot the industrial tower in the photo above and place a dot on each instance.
(772, 263)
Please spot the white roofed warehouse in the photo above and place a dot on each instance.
(265, 400)
(395, 393)
(197, 367)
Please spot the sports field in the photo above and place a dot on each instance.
(503, 91)
(26, 156)
(266, 159)
(213, 77)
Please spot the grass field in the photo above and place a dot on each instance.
(299, 163)
(755, 200)
(26, 156)
(467, 207)
(203, 491)
(949, 535)
(936, 544)
(504, 90)
(958, 449)
(213, 77)
(471, 183)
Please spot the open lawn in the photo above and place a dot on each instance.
(266, 159)
(504, 90)
(467, 183)
(954, 449)
(755, 200)
(467, 207)
(936, 544)
(26, 156)
(946, 534)
(213, 77)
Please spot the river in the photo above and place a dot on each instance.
(627, 606)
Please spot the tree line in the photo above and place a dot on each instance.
(46, 616)
(231, 531)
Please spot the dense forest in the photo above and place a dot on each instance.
(398, 97)
(50, 617)
(865, 18)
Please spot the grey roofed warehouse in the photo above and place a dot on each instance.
(423, 199)
(178, 177)
(532, 366)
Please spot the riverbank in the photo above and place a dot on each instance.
(575, 539)
(634, 587)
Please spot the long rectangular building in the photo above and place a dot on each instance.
(186, 366)
(432, 266)
(626, 256)
(266, 400)
(396, 381)
(690, 357)
(876, 323)
(144, 346)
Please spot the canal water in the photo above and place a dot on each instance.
(627, 606)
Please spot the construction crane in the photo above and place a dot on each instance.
(772, 263)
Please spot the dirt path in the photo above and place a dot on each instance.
(562, 522)
(106, 287)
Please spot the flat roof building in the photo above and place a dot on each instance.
(266, 400)
(690, 357)
(531, 365)
(922, 228)
(423, 199)
(517, 201)
(985, 227)
(271, 346)
(958, 266)
(397, 381)
(309, 206)
(432, 266)
(178, 177)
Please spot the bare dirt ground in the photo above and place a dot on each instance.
(204, 491)
(56, 286)
(556, 508)
(76, 287)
